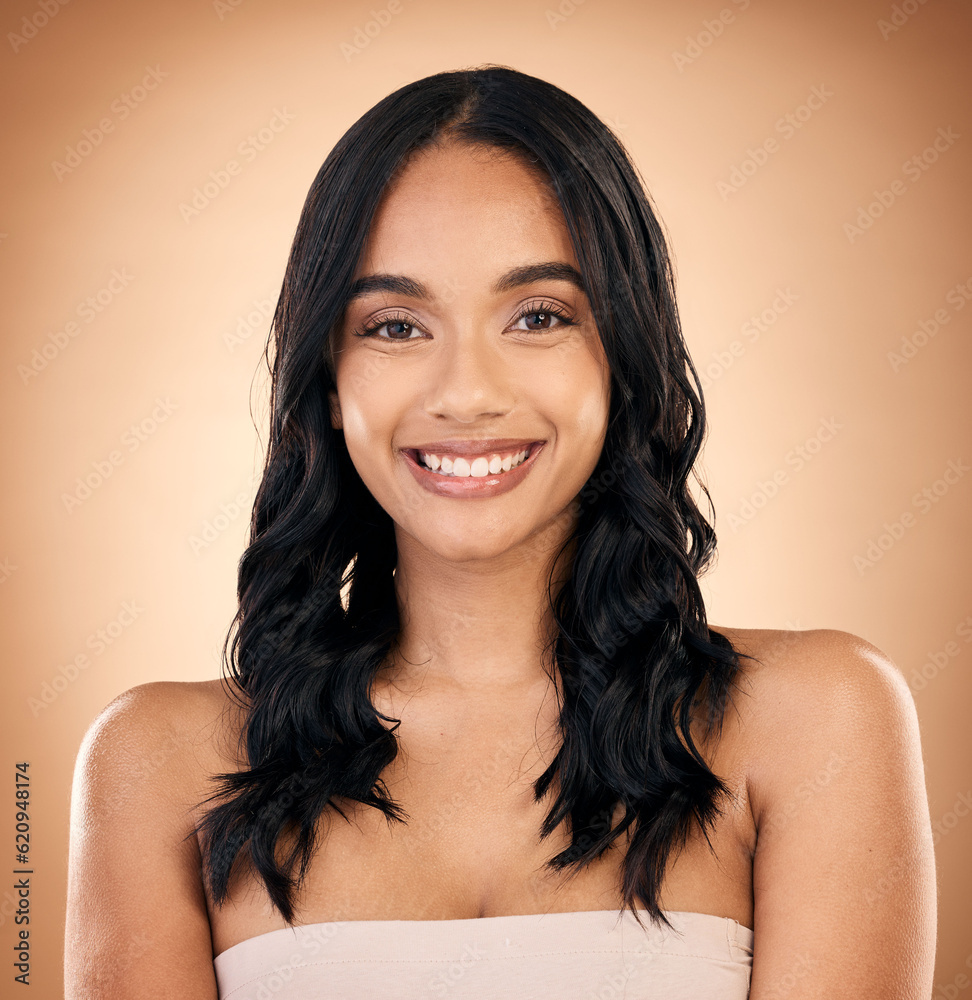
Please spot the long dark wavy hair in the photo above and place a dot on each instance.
(635, 654)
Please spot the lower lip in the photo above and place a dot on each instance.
(471, 486)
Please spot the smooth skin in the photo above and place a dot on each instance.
(825, 848)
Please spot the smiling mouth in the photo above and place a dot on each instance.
(468, 467)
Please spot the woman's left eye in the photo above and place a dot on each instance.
(544, 315)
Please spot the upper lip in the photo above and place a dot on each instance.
(481, 446)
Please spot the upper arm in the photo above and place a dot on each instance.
(137, 925)
(844, 870)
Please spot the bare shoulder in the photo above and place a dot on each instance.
(806, 703)
(153, 727)
(843, 870)
(137, 922)
(830, 661)
(161, 703)
(822, 688)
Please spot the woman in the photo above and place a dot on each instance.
(477, 737)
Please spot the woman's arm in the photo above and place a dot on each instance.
(844, 870)
(137, 925)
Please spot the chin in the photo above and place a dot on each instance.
(464, 543)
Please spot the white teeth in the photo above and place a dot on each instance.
(480, 466)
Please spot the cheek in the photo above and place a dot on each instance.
(581, 396)
(592, 416)
(368, 427)
(370, 397)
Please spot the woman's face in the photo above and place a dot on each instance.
(467, 361)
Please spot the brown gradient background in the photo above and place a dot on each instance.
(67, 573)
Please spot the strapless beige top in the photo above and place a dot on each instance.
(587, 955)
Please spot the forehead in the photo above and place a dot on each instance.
(469, 209)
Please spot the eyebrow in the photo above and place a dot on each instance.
(553, 270)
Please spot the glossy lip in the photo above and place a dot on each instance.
(471, 486)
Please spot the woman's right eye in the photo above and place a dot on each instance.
(391, 322)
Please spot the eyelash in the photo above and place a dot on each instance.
(544, 309)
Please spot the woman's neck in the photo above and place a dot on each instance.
(479, 624)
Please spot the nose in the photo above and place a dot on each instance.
(469, 380)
